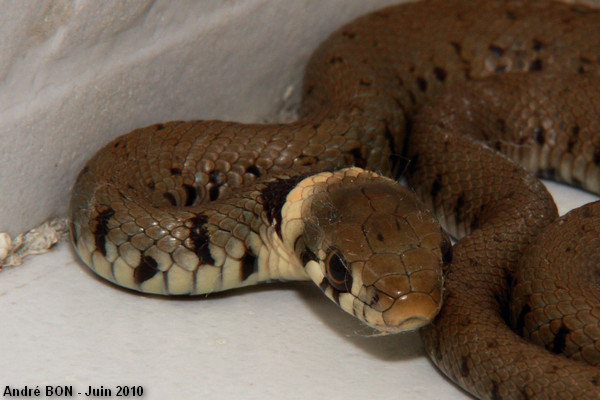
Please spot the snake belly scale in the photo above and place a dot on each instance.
(458, 97)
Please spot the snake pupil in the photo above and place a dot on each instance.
(338, 275)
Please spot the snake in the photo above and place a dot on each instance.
(468, 102)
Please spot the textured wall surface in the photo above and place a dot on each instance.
(75, 74)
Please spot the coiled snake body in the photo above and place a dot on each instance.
(431, 91)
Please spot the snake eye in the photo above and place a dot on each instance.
(446, 248)
(338, 275)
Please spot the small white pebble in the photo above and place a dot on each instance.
(5, 246)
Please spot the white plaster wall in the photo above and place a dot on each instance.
(75, 74)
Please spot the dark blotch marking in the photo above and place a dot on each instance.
(548, 172)
(363, 82)
(597, 157)
(151, 185)
(170, 198)
(538, 134)
(102, 229)
(509, 280)
(495, 391)
(349, 35)
(374, 300)
(440, 74)
(213, 193)
(336, 60)
(190, 194)
(536, 65)
(324, 284)
(501, 125)
(436, 186)
(359, 160)
(215, 177)
(496, 50)
(412, 165)
(559, 342)
(459, 208)
(308, 255)
(305, 160)
(503, 306)
(175, 171)
(147, 269)
(249, 265)
(500, 69)
(253, 170)
(537, 45)
(380, 237)
(510, 15)
(587, 213)
(274, 195)
(389, 137)
(335, 295)
(524, 394)
(159, 127)
(573, 138)
(475, 222)
(464, 366)
(520, 324)
(580, 70)
(422, 83)
(446, 249)
(567, 20)
(200, 239)
(457, 47)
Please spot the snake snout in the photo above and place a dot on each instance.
(410, 312)
(406, 304)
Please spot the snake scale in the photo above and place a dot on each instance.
(455, 96)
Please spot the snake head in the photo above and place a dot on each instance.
(374, 249)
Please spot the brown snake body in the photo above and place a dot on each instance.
(196, 207)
